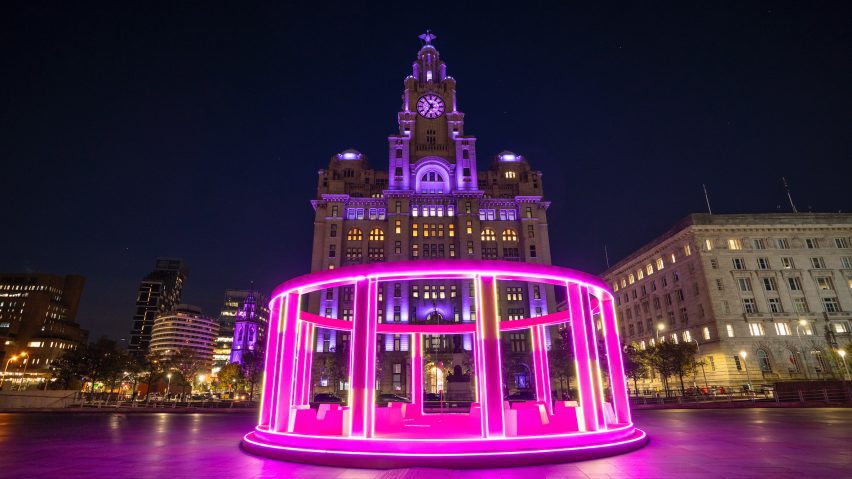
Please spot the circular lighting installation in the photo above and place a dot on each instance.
(493, 429)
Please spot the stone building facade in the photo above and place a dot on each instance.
(430, 202)
(775, 286)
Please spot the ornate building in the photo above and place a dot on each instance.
(431, 202)
(232, 305)
(249, 327)
(773, 286)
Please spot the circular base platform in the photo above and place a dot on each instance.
(381, 453)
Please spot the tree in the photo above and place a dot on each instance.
(187, 363)
(682, 359)
(252, 369)
(230, 377)
(634, 366)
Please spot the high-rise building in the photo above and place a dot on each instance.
(185, 328)
(430, 202)
(159, 291)
(249, 329)
(777, 287)
(233, 303)
(38, 316)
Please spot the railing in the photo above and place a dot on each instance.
(87, 400)
(765, 396)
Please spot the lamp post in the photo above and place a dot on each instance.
(10, 360)
(743, 354)
(698, 350)
(842, 354)
(201, 379)
(168, 384)
(803, 322)
(26, 365)
(660, 328)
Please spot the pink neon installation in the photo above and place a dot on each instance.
(494, 432)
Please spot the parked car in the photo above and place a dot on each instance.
(325, 398)
(384, 399)
(521, 396)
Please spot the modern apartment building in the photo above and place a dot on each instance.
(185, 328)
(776, 287)
(159, 291)
(38, 319)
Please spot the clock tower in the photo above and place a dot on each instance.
(431, 147)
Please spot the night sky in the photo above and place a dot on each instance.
(195, 131)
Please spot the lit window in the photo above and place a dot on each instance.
(708, 244)
(674, 259)
(756, 329)
(782, 329)
(706, 333)
(510, 235)
(511, 174)
(659, 264)
(397, 226)
(649, 268)
(354, 235)
(631, 279)
(376, 234)
(469, 225)
(729, 328)
(488, 235)
(735, 244)
(414, 229)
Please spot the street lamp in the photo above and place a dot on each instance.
(698, 351)
(842, 354)
(743, 354)
(803, 322)
(12, 359)
(201, 379)
(26, 365)
(660, 328)
(169, 384)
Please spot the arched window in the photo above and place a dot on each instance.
(376, 234)
(510, 235)
(488, 235)
(763, 361)
(432, 176)
(354, 235)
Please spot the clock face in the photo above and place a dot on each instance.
(430, 106)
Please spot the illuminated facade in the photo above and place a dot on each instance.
(233, 303)
(777, 286)
(428, 329)
(430, 203)
(249, 329)
(38, 317)
(184, 329)
(159, 291)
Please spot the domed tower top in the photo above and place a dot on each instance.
(429, 67)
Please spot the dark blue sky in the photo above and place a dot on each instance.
(130, 132)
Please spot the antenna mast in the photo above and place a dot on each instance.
(789, 196)
(707, 199)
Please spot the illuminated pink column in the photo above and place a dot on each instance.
(488, 364)
(617, 382)
(541, 367)
(582, 356)
(286, 362)
(594, 357)
(303, 363)
(362, 359)
(417, 373)
(270, 371)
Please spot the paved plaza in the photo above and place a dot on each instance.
(738, 443)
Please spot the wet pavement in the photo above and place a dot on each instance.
(740, 443)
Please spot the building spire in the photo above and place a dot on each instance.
(427, 37)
